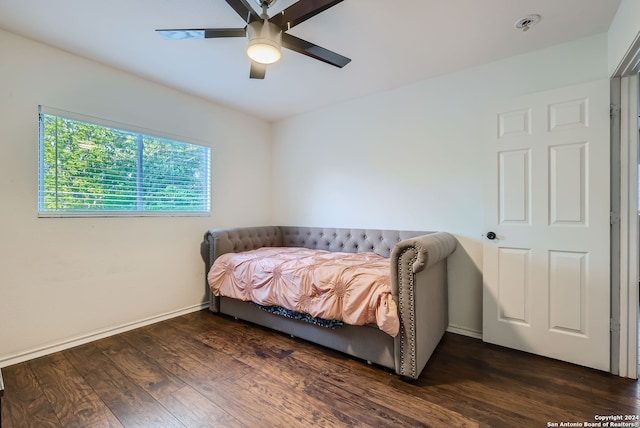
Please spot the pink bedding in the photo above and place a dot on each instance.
(354, 288)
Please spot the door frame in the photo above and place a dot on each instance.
(624, 285)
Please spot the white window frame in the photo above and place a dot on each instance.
(125, 127)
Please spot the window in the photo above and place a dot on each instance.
(98, 169)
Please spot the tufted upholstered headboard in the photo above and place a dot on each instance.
(220, 241)
(376, 241)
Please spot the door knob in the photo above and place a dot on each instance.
(491, 235)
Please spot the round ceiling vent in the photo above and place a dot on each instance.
(527, 22)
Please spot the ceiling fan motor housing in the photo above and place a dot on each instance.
(265, 2)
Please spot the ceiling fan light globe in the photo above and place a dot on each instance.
(265, 42)
(264, 53)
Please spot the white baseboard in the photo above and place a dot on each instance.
(40, 351)
(464, 331)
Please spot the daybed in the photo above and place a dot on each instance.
(418, 286)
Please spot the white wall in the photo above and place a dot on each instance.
(406, 159)
(67, 279)
(411, 158)
(623, 32)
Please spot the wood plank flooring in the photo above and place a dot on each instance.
(206, 370)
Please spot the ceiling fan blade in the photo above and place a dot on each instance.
(314, 51)
(258, 71)
(201, 33)
(243, 9)
(300, 12)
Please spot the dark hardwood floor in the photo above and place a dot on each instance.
(205, 370)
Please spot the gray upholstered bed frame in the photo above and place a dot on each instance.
(418, 282)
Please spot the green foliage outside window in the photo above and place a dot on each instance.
(85, 167)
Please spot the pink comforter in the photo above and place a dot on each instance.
(353, 288)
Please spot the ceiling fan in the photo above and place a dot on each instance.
(268, 35)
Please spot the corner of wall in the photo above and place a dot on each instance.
(623, 35)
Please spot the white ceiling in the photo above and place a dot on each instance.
(391, 43)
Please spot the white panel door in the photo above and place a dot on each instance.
(546, 270)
